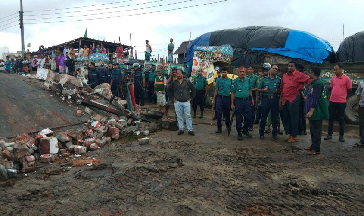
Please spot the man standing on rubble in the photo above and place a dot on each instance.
(139, 84)
(148, 50)
(170, 51)
(102, 74)
(93, 75)
(182, 92)
(291, 83)
(115, 79)
(152, 76)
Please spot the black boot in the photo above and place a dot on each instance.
(228, 129)
(201, 116)
(194, 114)
(246, 133)
(240, 135)
(219, 130)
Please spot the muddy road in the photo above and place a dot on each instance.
(207, 174)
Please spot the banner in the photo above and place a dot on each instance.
(42, 73)
(205, 56)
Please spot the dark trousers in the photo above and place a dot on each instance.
(316, 130)
(291, 116)
(139, 94)
(272, 105)
(302, 118)
(151, 96)
(199, 100)
(223, 105)
(242, 108)
(337, 109)
(361, 121)
(250, 123)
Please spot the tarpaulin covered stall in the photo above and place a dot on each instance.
(251, 44)
(352, 49)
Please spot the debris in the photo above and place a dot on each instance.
(84, 161)
(45, 132)
(143, 141)
(63, 137)
(3, 173)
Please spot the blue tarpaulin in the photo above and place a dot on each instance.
(250, 44)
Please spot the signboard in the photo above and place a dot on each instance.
(42, 73)
(205, 56)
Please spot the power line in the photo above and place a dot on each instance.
(103, 9)
(9, 23)
(85, 6)
(9, 19)
(7, 28)
(137, 14)
(9, 15)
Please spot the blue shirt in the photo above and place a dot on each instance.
(139, 76)
(103, 75)
(116, 76)
(223, 86)
(272, 84)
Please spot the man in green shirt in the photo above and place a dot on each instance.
(200, 83)
(270, 88)
(222, 100)
(253, 83)
(241, 101)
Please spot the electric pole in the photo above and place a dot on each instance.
(21, 12)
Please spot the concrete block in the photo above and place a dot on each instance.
(80, 150)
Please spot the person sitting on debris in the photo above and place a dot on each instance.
(160, 88)
(182, 92)
(93, 75)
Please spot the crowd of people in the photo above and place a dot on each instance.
(292, 98)
(265, 99)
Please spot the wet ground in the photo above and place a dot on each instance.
(207, 174)
(28, 108)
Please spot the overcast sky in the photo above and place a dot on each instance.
(324, 18)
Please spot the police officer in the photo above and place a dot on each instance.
(93, 75)
(139, 84)
(109, 72)
(115, 79)
(152, 75)
(222, 100)
(253, 85)
(270, 88)
(266, 68)
(242, 101)
(102, 74)
(200, 83)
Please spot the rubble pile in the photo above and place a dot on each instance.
(25, 152)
